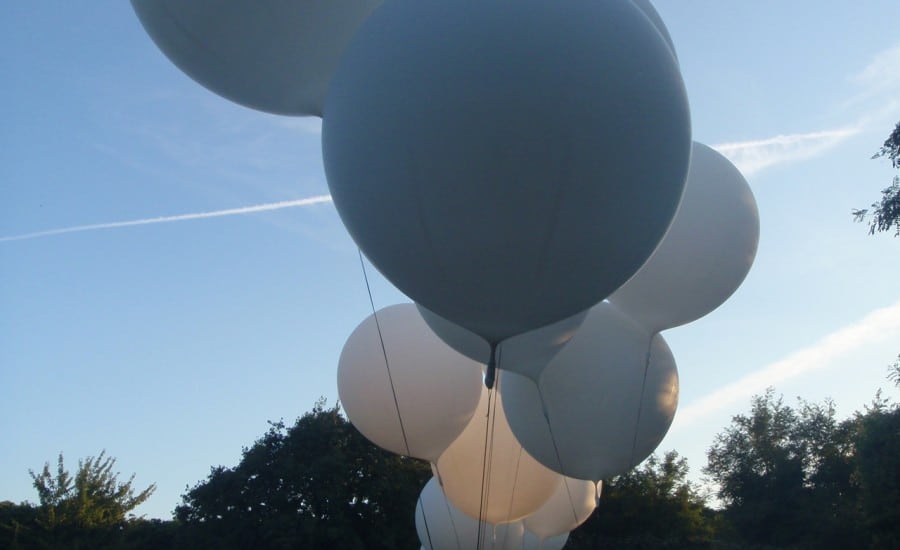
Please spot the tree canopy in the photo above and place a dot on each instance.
(89, 509)
(94, 497)
(651, 506)
(796, 477)
(316, 484)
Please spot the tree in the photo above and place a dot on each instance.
(17, 525)
(786, 476)
(649, 507)
(799, 478)
(88, 510)
(877, 441)
(93, 498)
(886, 211)
(316, 484)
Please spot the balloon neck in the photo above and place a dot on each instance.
(491, 375)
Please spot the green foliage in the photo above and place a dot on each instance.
(93, 498)
(891, 148)
(877, 441)
(653, 506)
(87, 510)
(316, 484)
(17, 525)
(799, 478)
(894, 372)
(886, 211)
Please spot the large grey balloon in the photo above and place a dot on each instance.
(594, 413)
(272, 55)
(705, 255)
(657, 21)
(507, 164)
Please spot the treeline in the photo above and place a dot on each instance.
(783, 477)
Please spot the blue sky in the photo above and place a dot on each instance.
(170, 343)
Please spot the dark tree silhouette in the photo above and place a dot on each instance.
(652, 506)
(316, 484)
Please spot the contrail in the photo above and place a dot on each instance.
(879, 325)
(784, 140)
(178, 218)
(752, 156)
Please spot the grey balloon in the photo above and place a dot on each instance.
(503, 163)
(272, 55)
(705, 255)
(602, 405)
(657, 21)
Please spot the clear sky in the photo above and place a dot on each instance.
(171, 343)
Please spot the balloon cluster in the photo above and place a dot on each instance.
(524, 171)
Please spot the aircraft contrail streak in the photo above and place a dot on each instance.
(178, 218)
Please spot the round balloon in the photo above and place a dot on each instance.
(573, 502)
(526, 353)
(602, 405)
(498, 482)
(503, 164)
(657, 21)
(441, 526)
(418, 402)
(272, 55)
(705, 255)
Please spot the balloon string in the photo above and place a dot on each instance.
(516, 478)
(425, 521)
(387, 364)
(637, 421)
(546, 414)
(490, 465)
(447, 504)
(485, 468)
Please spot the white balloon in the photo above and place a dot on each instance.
(657, 21)
(504, 164)
(441, 526)
(430, 387)
(530, 541)
(705, 255)
(273, 55)
(571, 505)
(526, 353)
(500, 483)
(602, 405)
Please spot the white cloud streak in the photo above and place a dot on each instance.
(880, 325)
(881, 77)
(752, 156)
(879, 84)
(319, 199)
